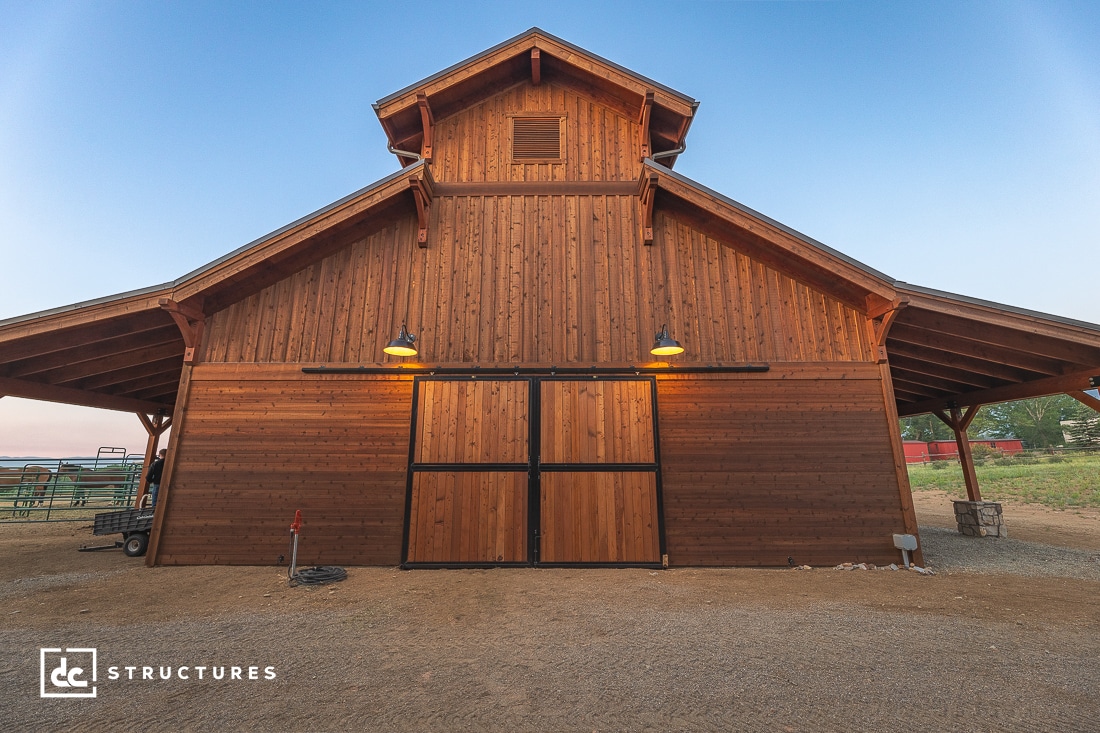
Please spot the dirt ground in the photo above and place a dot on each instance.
(977, 648)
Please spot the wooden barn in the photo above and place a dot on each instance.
(538, 244)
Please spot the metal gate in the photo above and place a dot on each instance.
(533, 471)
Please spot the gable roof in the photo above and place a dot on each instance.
(125, 352)
(941, 347)
(467, 82)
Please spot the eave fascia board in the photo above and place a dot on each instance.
(148, 298)
(941, 301)
(202, 278)
(666, 96)
(87, 311)
(858, 273)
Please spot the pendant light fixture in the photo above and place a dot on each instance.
(664, 344)
(403, 344)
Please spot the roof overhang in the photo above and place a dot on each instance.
(510, 62)
(943, 349)
(948, 350)
(120, 353)
(126, 352)
(768, 241)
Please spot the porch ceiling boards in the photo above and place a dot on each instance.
(949, 349)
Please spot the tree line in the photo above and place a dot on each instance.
(1036, 422)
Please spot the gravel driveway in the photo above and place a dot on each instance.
(1003, 638)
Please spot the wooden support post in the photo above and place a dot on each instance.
(536, 67)
(647, 192)
(191, 322)
(901, 470)
(182, 396)
(155, 427)
(643, 120)
(427, 121)
(959, 422)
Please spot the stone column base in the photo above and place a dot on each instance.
(980, 519)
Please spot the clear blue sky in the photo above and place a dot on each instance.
(954, 145)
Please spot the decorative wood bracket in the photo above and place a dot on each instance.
(882, 313)
(427, 120)
(643, 120)
(190, 321)
(647, 192)
(1085, 399)
(156, 425)
(536, 67)
(421, 187)
(959, 422)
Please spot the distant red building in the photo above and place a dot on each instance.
(918, 451)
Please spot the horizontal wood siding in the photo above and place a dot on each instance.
(472, 421)
(597, 421)
(598, 143)
(468, 517)
(599, 518)
(756, 470)
(261, 442)
(537, 279)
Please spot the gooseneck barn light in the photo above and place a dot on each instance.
(664, 344)
(403, 344)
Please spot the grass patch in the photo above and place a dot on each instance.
(1061, 482)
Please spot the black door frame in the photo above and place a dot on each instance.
(534, 468)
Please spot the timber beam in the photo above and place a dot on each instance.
(427, 122)
(1069, 383)
(972, 365)
(959, 422)
(961, 346)
(536, 67)
(647, 192)
(191, 322)
(69, 396)
(643, 120)
(155, 427)
(1086, 399)
(1021, 340)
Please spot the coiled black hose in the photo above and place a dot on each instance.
(319, 575)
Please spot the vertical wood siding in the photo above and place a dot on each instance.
(598, 421)
(756, 470)
(480, 421)
(261, 442)
(468, 517)
(538, 279)
(599, 517)
(599, 144)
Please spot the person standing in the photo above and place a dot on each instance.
(154, 476)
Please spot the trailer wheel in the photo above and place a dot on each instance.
(136, 544)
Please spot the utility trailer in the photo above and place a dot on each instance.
(133, 524)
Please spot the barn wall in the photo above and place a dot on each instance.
(600, 143)
(755, 468)
(794, 463)
(260, 442)
(538, 279)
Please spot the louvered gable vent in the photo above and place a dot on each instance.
(536, 138)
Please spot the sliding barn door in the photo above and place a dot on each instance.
(469, 474)
(598, 492)
(542, 470)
